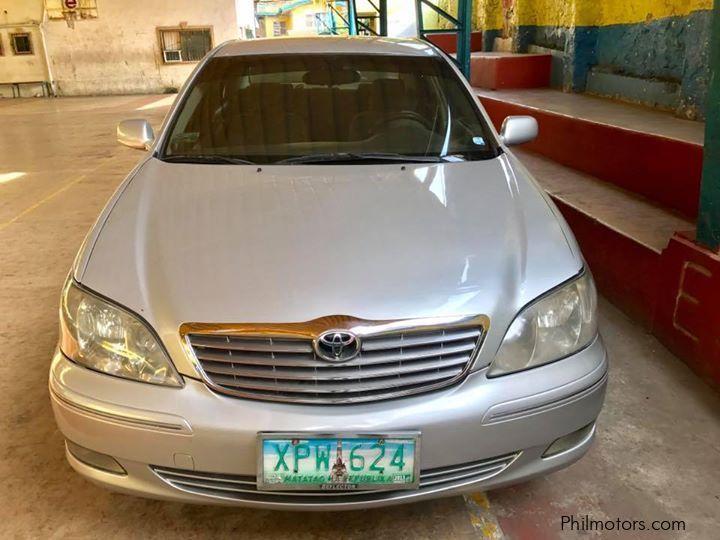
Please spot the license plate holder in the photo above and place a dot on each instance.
(309, 461)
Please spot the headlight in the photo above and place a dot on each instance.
(106, 338)
(555, 326)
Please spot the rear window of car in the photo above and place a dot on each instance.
(268, 108)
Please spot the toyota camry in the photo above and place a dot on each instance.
(327, 284)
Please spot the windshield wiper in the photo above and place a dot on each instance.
(207, 158)
(336, 157)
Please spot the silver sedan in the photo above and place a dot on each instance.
(328, 284)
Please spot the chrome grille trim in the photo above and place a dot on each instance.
(339, 374)
(250, 344)
(243, 487)
(279, 363)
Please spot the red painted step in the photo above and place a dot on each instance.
(664, 169)
(622, 176)
(656, 275)
(447, 41)
(501, 70)
(621, 234)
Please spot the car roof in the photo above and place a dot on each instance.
(328, 45)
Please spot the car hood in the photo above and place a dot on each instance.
(239, 244)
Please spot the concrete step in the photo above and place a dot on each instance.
(640, 248)
(647, 152)
(622, 235)
(604, 111)
(504, 70)
(626, 213)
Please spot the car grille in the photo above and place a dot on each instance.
(389, 364)
(240, 487)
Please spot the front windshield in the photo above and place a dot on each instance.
(274, 108)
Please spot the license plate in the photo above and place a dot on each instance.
(338, 462)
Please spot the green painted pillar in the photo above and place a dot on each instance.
(420, 21)
(352, 18)
(708, 227)
(464, 35)
(383, 17)
(333, 26)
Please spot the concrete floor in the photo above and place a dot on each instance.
(657, 455)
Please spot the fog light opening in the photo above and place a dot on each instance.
(95, 459)
(570, 441)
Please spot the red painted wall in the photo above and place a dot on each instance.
(688, 307)
(518, 71)
(674, 295)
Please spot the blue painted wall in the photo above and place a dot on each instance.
(667, 55)
(673, 49)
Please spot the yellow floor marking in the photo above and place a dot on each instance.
(54, 194)
(483, 520)
(481, 500)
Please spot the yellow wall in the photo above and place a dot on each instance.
(584, 12)
(270, 20)
(433, 20)
(549, 12)
(490, 14)
(634, 11)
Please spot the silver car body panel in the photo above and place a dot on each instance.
(223, 244)
(334, 45)
(232, 244)
(548, 402)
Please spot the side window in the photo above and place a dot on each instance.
(279, 28)
(21, 43)
(185, 135)
(184, 44)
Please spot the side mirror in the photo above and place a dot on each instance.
(518, 130)
(135, 133)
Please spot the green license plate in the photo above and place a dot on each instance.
(338, 462)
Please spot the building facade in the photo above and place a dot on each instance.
(23, 54)
(95, 47)
(277, 18)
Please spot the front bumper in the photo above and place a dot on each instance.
(194, 445)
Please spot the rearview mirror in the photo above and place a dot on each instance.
(326, 77)
(518, 130)
(135, 133)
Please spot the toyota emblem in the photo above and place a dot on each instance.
(337, 345)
